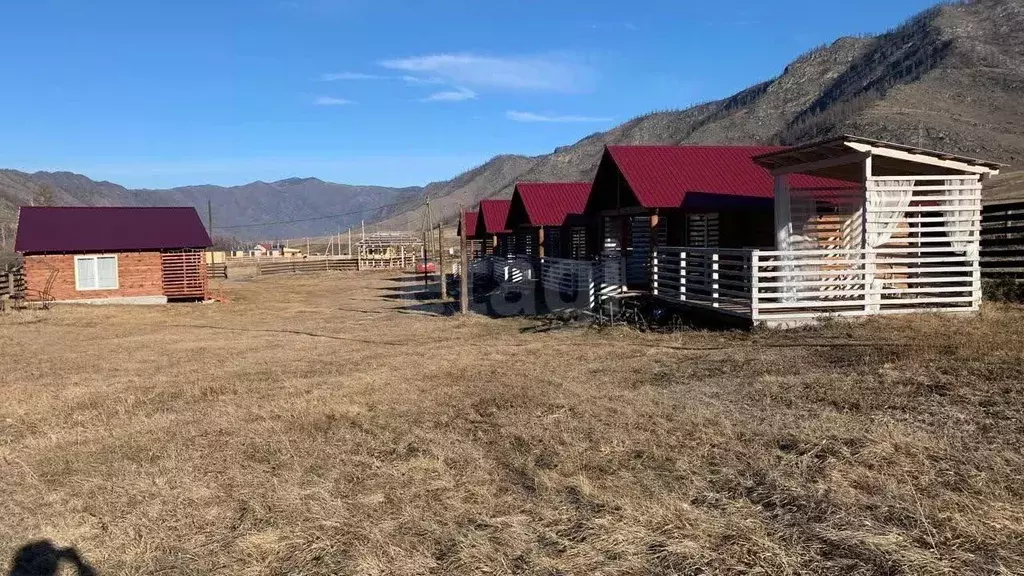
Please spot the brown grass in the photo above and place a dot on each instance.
(312, 426)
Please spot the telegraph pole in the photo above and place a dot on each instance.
(426, 236)
(209, 217)
(440, 261)
(464, 268)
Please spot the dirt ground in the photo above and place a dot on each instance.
(329, 424)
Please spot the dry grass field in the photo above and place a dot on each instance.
(325, 425)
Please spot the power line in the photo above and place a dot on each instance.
(314, 218)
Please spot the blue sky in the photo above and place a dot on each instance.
(150, 93)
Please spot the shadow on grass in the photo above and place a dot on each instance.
(42, 558)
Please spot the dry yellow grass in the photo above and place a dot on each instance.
(312, 426)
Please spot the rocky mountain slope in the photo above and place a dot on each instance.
(951, 78)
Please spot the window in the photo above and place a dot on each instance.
(95, 272)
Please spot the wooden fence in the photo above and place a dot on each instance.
(12, 281)
(299, 265)
(1002, 241)
(217, 270)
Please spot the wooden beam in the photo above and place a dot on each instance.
(922, 159)
(821, 164)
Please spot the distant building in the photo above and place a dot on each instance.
(113, 254)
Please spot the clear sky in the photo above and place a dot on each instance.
(158, 93)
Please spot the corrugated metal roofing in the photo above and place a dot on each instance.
(108, 229)
(549, 203)
(660, 176)
(493, 214)
(470, 225)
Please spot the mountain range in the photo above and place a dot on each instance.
(950, 78)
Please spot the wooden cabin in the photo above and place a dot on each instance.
(546, 219)
(899, 234)
(701, 196)
(113, 254)
(472, 242)
(495, 238)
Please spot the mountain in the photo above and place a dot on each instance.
(300, 203)
(949, 78)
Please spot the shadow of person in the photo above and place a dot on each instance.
(42, 558)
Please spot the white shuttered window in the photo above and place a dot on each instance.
(96, 272)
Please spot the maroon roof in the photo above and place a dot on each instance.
(108, 229)
(470, 225)
(493, 214)
(549, 203)
(661, 176)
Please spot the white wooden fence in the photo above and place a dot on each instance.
(774, 286)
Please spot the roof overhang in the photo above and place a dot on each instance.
(832, 158)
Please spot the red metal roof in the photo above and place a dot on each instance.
(108, 229)
(549, 203)
(470, 225)
(660, 176)
(493, 214)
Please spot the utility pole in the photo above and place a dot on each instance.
(464, 268)
(426, 236)
(209, 217)
(362, 225)
(349, 241)
(440, 262)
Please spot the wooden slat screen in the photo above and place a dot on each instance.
(184, 274)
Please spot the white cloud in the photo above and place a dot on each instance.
(331, 101)
(551, 73)
(350, 76)
(457, 95)
(416, 80)
(552, 118)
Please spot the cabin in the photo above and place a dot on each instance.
(472, 242)
(494, 237)
(545, 219)
(700, 196)
(900, 235)
(113, 254)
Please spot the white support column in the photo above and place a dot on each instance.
(755, 260)
(867, 228)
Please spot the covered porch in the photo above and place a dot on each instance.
(904, 238)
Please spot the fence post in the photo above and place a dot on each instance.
(654, 271)
(682, 276)
(714, 279)
(755, 260)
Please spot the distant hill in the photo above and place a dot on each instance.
(300, 199)
(950, 78)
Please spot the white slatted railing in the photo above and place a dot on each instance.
(780, 286)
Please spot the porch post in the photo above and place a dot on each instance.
(654, 251)
(682, 276)
(867, 227)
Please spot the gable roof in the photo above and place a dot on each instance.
(108, 229)
(493, 214)
(846, 143)
(470, 225)
(547, 203)
(661, 176)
